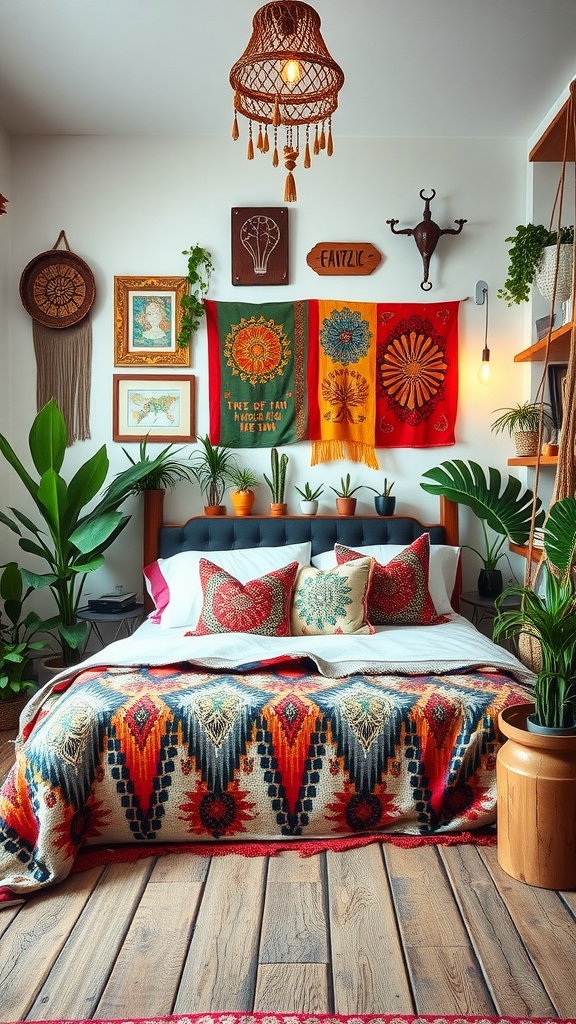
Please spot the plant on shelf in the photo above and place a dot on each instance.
(168, 469)
(211, 465)
(522, 422)
(548, 615)
(384, 502)
(277, 482)
(309, 499)
(242, 497)
(70, 540)
(17, 643)
(345, 500)
(526, 254)
(200, 269)
(506, 511)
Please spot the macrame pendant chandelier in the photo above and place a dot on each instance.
(57, 289)
(287, 79)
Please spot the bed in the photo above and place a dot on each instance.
(260, 701)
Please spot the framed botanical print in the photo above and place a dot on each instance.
(147, 321)
(160, 406)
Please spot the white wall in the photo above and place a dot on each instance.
(129, 206)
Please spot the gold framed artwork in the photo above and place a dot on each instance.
(160, 406)
(147, 321)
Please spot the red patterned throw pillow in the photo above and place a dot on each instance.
(399, 593)
(259, 606)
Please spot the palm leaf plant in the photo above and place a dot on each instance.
(71, 539)
(549, 617)
(505, 509)
(211, 465)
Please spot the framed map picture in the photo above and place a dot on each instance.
(147, 321)
(161, 407)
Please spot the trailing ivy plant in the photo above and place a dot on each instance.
(525, 254)
(200, 269)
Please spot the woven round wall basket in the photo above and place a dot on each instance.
(57, 288)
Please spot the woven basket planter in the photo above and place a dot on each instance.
(526, 442)
(544, 275)
(10, 712)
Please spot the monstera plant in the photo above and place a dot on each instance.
(504, 510)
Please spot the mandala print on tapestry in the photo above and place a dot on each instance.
(416, 374)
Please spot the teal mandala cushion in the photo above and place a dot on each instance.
(399, 593)
(333, 601)
(260, 606)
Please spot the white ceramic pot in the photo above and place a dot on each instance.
(544, 275)
(308, 508)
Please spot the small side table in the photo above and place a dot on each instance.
(124, 621)
(483, 607)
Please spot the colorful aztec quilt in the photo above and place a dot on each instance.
(166, 754)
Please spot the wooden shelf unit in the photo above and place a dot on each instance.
(530, 460)
(560, 340)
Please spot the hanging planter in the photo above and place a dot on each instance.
(546, 271)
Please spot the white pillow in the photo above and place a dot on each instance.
(441, 576)
(174, 583)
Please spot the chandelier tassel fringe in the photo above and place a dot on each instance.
(266, 145)
(329, 144)
(250, 150)
(260, 142)
(307, 160)
(235, 132)
(316, 142)
(290, 157)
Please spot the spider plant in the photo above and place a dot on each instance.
(165, 470)
(212, 465)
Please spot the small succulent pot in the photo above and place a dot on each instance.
(215, 510)
(490, 582)
(385, 504)
(308, 508)
(242, 502)
(346, 506)
(278, 508)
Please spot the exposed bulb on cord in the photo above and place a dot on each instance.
(484, 371)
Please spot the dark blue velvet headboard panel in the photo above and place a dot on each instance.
(220, 533)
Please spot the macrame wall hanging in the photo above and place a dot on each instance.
(57, 289)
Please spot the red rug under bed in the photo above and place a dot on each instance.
(316, 1018)
(93, 856)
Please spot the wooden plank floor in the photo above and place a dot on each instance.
(373, 930)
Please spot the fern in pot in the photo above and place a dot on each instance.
(522, 423)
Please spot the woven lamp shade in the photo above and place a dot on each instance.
(286, 77)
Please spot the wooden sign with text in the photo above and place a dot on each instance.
(345, 258)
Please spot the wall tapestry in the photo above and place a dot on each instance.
(57, 289)
(348, 376)
(257, 366)
(417, 374)
(343, 403)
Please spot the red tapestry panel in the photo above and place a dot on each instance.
(416, 374)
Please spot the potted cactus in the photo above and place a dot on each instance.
(277, 484)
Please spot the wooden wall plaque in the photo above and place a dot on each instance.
(354, 259)
(259, 237)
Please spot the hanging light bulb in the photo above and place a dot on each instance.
(481, 299)
(291, 72)
(484, 371)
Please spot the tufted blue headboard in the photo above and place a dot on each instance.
(205, 533)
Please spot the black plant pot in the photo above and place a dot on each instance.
(490, 582)
(385, 504)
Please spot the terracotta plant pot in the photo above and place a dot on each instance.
(536, 780)
(346, 506)
(278, 508)
(215, 510)
(242, 502)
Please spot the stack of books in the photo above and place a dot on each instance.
(115, 602)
